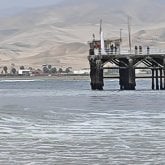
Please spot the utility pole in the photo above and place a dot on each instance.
(129, 34)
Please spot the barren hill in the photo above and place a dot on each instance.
(58, 34)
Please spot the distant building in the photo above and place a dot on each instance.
(25, 72)
(82, 71)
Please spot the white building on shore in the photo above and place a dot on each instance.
(82, 71)
(24, 72)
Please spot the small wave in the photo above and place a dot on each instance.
(21, 80)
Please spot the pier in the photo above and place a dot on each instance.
(126, 64)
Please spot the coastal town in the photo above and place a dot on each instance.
(44, 70)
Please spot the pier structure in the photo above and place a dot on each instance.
(126, 64)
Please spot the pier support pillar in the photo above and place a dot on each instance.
(161, 79)
(123, 74)
(164, 73)
(127, 75)
(164, 79)
(96, 74)
(122, 81)
(131, 76)
(153, 84)
(157, 80)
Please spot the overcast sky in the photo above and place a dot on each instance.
(6, 4)
(10, 7)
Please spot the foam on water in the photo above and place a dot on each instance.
(64, 122)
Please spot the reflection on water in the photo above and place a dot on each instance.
(63, 122)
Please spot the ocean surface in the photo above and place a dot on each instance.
(63, 122)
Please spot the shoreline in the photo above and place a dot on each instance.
(53, 77)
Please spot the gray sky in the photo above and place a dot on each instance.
(10, 7)
(6, 4)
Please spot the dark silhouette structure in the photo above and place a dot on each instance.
(126, 64)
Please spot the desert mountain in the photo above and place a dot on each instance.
(58, 34)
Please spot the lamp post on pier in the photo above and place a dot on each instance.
(120, 40)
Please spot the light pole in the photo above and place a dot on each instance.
(129, 34)
(120, 40)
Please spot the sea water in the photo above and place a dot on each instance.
(63, 122)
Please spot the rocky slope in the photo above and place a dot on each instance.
(58, 34)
